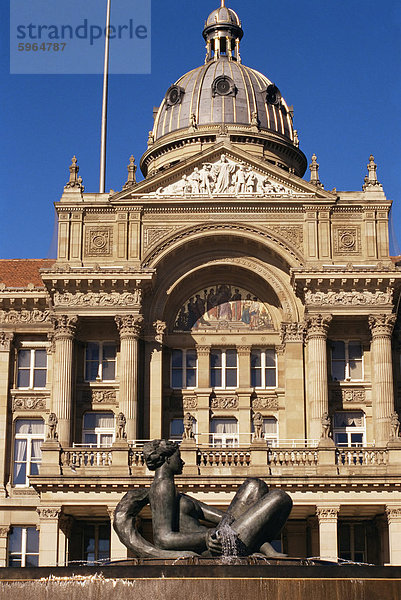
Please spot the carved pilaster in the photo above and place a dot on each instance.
(4, 530)
(393, 514)
(243, 350)
(160, 328)
(327, 513)
(46, 512)
(203, 350)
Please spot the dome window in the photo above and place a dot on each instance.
(273, 95)
(223, 86)
(174, 95)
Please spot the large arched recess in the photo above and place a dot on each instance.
(184, 267)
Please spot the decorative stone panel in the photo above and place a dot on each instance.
(98, 241)
(225, 403)
(101, 396)
(28, 403)
(25, 316)
(346, 395)
(263, 402)
(347, 240)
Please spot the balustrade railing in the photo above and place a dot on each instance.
(87, 457)
(224, 457)
(361, 456)
(290, 457)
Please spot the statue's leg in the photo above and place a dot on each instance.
(263, 521)
(248, 494)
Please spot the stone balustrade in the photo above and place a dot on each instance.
(289, 457)
(361, 456)
(224, 457)
(77, 458)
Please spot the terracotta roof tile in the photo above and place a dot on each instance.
(19, 273)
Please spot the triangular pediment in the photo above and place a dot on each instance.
(223, 171)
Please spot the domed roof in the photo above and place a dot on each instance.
(223, 91)
(223, 15)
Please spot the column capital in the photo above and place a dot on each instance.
(47, 512)
(160, 329)
(318, 326)
(6, 337)
(292, 332)
(382, 325)
(327, 513)
(4, 530)
(203, 350)
(244, 350)
(393, 514)
(129, 326)
(65, 326)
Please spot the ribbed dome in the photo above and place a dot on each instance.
(223, 91)
(223, 15)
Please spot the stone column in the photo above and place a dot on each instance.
(4, 530)
(327, 516)
(48, 535)
(6, 339)
(129, 327)
(156, 381)
(381, 327)
(203, 392)
(394, 533)
(64, 332)
(117, 549)
(318, 326)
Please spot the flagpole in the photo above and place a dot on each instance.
(104, 103)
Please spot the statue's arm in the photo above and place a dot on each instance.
(209, 513)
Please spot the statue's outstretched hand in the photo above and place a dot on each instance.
(213, 542)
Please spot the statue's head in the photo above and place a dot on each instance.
(156, 452)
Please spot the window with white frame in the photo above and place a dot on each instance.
(263, 368)
(31, 368)
(100, 361)
(98, 429)
(224, 432)
(346, 361)
(28, 438)
(349, 429)
(23, 547)
(177, 428)
(183, 369)
(223, 369)
(269, 430)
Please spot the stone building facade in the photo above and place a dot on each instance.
(224, 299)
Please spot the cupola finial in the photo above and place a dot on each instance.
(223, 3)
(223, 33)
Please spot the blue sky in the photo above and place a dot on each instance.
(338, 63)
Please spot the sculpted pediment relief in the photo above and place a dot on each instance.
(224, 172)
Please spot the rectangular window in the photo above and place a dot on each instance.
(32, 368)
(346, 361)
(98, 429)
(100, 361)
(349, 429)
(224, 432)
(90, 542)
(23, 547)
(183, 369)
(28, 439)
(223, 369)
(263, 369)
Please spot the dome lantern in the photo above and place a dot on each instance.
(223, 33)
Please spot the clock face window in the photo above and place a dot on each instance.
(174, 95)
(223, 86)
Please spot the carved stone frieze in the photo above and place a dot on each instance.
(346, 395)
(350, 298)
(129, 325)
(224, 403)
(28, 403)
(292, 332)
(25, 316)
(48, 513)
(268, 402)
(98, 241)
(5, 340)
(382, 325)
(347, 240)
(103, 299)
